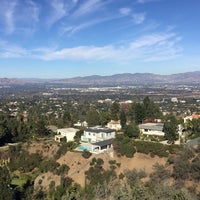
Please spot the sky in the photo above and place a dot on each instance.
(69, 38)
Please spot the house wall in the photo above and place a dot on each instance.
(68, 133)
(152, 132)
(96, 137)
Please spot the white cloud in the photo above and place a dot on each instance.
(81, 53)
(59, 11)
(75, 28)
(146, 1)
(7, 10)
(125, 11)
(75, 1)
(138, 18)
(89, 6)
(154, 47)
(150, 40)
(12, 51)
(151, 48)
(18, 16)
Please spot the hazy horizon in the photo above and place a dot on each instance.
(92, 75)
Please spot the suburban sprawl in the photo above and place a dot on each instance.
(113, 142)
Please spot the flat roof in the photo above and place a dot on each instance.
(100, 129)
(103, 143)
(152, 126)
(67, 130)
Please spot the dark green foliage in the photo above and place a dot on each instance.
(86, 154)
(139, 113)
(159, 174)
(20, 159)
(133, 175)
(195, 169)
(171, 129)
(104, 118)
(62, 170)
(181, 168)
(5, 180)
(131, 131)
(123, 119)
(94, 160)
(12, 129)
(39, 195)
(114, 110)
(152, 148)
(124, 146)
(146, 110)
(61, 151)
(71, 145)
(93, 118)
(78, 135)
(40, 128)
(96, 174)
(99, 161)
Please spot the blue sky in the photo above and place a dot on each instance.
(68, 38)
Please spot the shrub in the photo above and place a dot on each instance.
(86, 154)
(124, 146)
(152, 148)
(61, 151)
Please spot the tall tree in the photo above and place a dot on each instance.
(171, 129)
(93, 118)
(114, 109)
(122, 119)
(139, 113)
(132, 130)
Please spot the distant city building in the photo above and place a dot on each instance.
(126, 102)
(109, 101)
(174, 100)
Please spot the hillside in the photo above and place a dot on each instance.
(122, 79)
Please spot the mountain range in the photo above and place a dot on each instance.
(117, 79)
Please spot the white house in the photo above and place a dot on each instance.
(155, 129)
(97, 134)
(81, 124)
(191, 117)
(67, 133)
(114, 125)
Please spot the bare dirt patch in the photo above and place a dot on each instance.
(46, 149)
(78, 165)
(44, 180)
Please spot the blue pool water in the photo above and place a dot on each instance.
(82, 148)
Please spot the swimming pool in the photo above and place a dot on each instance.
(82, 148)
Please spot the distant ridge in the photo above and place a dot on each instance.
(136, 78)
(116, 79)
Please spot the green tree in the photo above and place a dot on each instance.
(122, 119)
(132, 131)
(104, 118)
(5, 180)
(139, 113)
(40, 127)
(93, 118)
(171, 129)
(114, 110)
